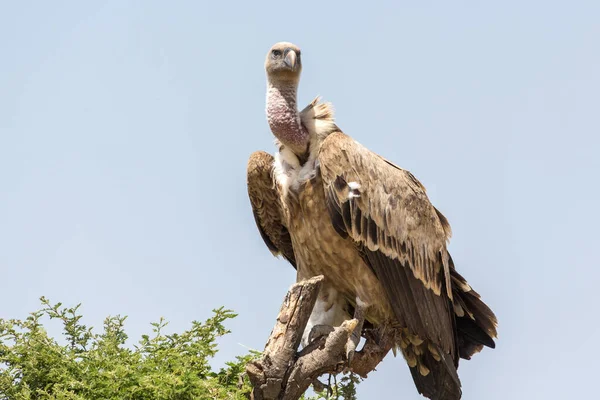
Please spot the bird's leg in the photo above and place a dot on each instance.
(354, 339)
(327, 313)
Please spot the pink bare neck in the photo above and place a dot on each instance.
(284, 118)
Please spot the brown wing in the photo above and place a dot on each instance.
(266, 206)
(386, 212)
(402, 236)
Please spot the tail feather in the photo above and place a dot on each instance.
(475, 321)
(441, 381)
(435, 372)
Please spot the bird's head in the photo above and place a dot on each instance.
(283, 62)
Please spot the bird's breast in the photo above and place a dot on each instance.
(320, 250)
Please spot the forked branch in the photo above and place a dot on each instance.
(283, 373)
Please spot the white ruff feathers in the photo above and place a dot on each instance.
(288, 172)
(318, 120)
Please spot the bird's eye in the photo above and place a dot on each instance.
(276, 53)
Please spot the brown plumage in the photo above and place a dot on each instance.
(332, 207)
(266, 206)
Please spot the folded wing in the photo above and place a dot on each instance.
(402, 237)
(266, 206)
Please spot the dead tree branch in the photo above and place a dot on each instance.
(283, 373)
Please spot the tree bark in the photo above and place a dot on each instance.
(283, 373)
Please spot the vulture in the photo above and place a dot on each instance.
(331, 207)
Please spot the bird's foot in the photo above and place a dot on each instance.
(319, 331)
(354, 338)
(353, 341)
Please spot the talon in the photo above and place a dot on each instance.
(354, 338)
(350, 350)
(353, 341)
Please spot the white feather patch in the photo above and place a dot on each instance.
(318, 119)
(288, 172)
(361, 303)
(353, 192)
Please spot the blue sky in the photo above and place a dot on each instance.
(125, 128)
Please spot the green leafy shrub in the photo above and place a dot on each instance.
(100, 366)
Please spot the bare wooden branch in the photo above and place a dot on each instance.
(267, 375)
(283, 373)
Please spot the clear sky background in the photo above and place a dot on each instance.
(125, 128)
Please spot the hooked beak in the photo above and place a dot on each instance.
(290, 59)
